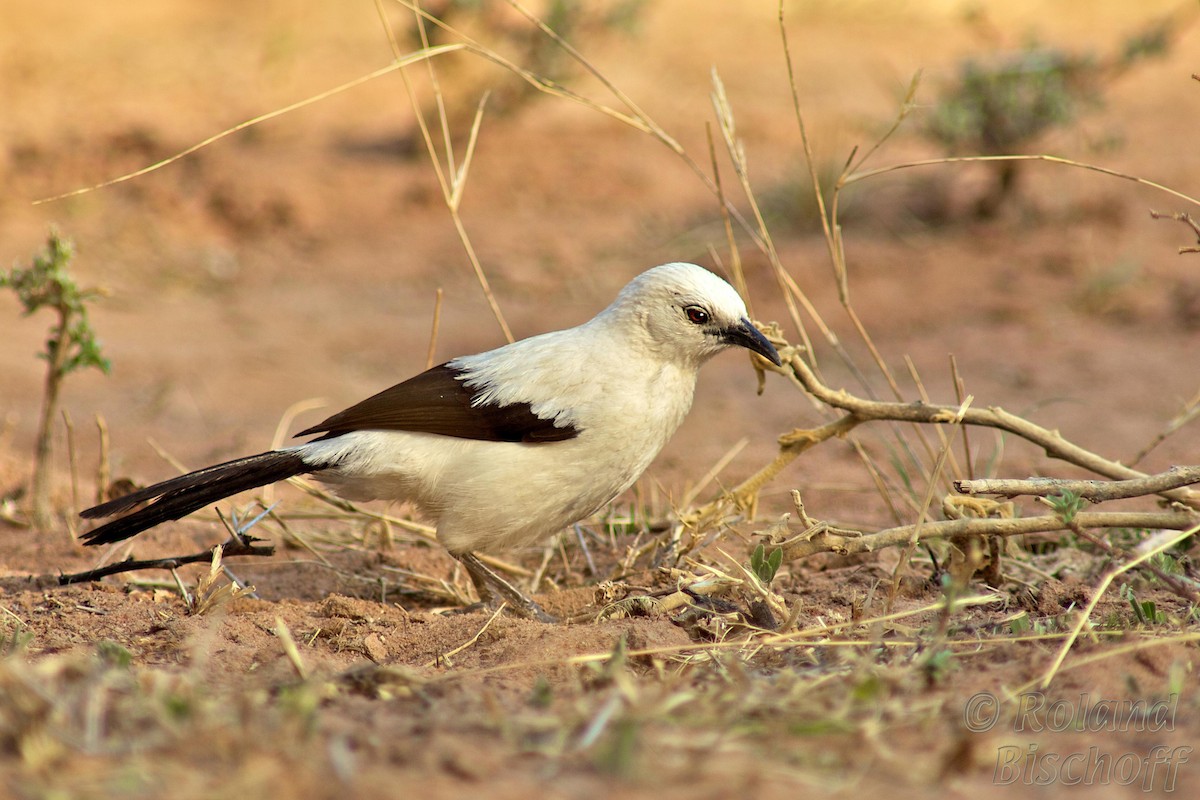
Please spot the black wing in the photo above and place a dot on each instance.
(436, 401)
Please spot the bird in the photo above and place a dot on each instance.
(506, 447)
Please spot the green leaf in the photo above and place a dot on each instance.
(765, 565)
(1066, 505)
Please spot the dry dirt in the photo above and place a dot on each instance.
(301, 258)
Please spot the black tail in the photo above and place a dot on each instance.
(180, 496)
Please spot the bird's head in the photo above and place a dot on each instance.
(688, 313)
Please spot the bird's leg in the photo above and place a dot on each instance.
(494, 590)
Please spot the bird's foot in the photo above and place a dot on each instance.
(494, 591)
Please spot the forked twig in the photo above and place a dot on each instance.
(1186, 219)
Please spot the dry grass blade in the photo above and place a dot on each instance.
(311, 489)
(735, 255)
(960, 393)
(281, 431)
(452, 186)
(1190, 413)
(792, 294)
(1180, 586)
(1107, 654)
(1085, 615)
(412, 58)
(288, 642)
(713, 472)
(444, 658)
(434, 328)
(103, 462)
(624, 99)
(1066, 162)
(1096, 491)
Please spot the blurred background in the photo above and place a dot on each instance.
(301, 258)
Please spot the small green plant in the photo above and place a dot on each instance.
(765, 564)
(1066, 505)
(1001, 106)
(13, 641)
(1167, 563)
(1146, 611)
(937, 665)
(1020, 624)
(71, 346)
(114, 654)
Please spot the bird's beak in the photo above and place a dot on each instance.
(744, 334)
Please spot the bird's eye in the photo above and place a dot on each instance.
(696, 315)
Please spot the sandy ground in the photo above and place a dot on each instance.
(301, 260)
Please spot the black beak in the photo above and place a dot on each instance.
(744, 334)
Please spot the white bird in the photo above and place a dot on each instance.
(509, 446)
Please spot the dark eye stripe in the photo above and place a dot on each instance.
(696, 315)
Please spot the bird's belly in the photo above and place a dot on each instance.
(534, 493)
(488, 496)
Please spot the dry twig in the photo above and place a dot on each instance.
(827, 542)
(1095, 491)
(243, 545)
(1052, 442)
(1186, 219)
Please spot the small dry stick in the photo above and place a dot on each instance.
(444, 658)
(1186, 219)
(827, 542)
(1095, 491)
(103, 465)
(960, 394)
(1190, 412)
(434, 326)
(243, 545)
(73, 462)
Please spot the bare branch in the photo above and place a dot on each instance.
(826, 542)
(1052, 442)
(1095, 491)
